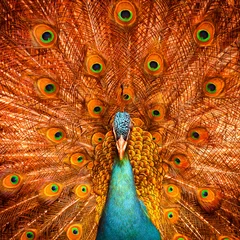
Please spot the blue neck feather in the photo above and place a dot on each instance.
(124, 216)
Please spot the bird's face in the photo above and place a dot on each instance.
(121, 130)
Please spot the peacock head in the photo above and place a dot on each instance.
(121, 129)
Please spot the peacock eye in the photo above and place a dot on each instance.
(84, 189)
(51, 191)
(50, 88)
(77, 159)
(14, 179)
(97, 138)
(195, 135)
(211, 88)
(47, 87)
(30, 235)
(203, 35)
(58, 135)
(155, 113)
(204, 193)
(75, 231)
(126, 93)
(96, 67)
(80, 159)
(171, 215)
(177, 161)
(44, 35)
(97, 109)
(125, 15)
(126, 97)
(198, 135)
(47, 37)
(153, 66)
(55, 188)
(209, 198)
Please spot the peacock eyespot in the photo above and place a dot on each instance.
(44, 35)
(211, 88)
(97, 138)
(172, 191)
(30, 235)
(209, 198)
(198, 135)
(54, 188)
(153, 66)
(75, 231)
(155, 113)
(77, 159)
(51, 191)
(84, 189)
(125, 15)
(80, 159)
(47, 37)
(96, 67)
(171, 215)
(14, 179)
(97, 109)
(126, 97)
(204, 193)
(50, 88)
(177, 161)
(195, 135)
(47, 88)
(203, 35)
(58, 135)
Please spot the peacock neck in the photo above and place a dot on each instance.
(124, 215)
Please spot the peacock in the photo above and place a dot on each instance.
(120, 119)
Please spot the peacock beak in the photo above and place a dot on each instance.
(121, 147)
